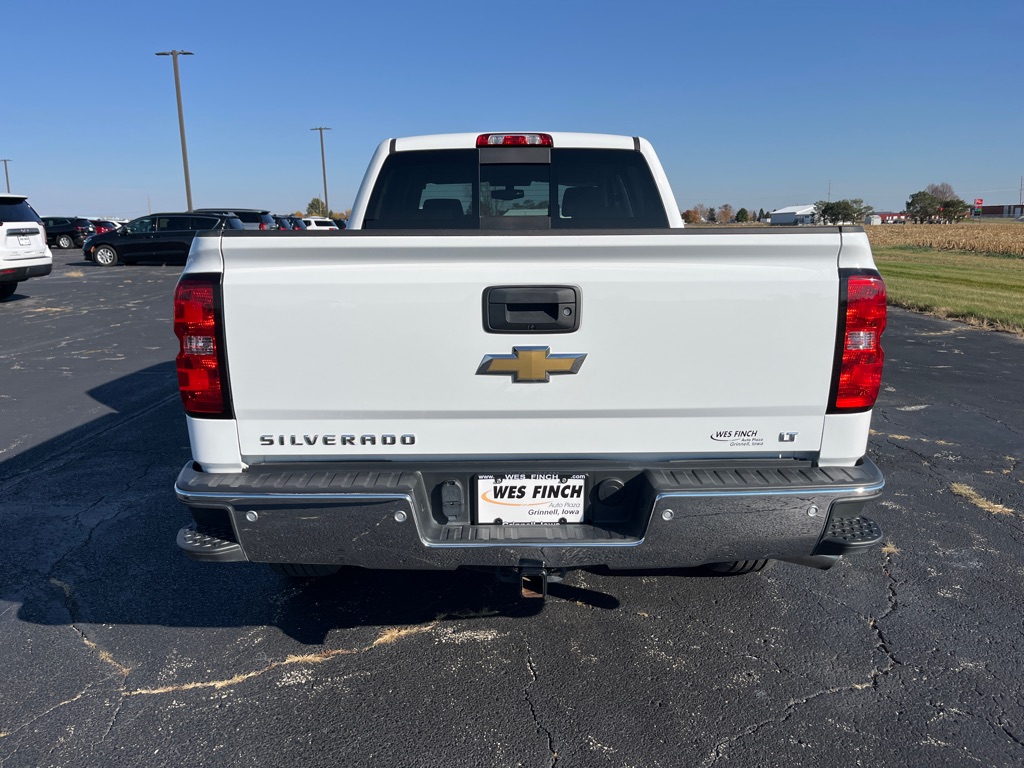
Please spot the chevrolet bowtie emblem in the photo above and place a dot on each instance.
(530, 364)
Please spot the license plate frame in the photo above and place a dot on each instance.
(24, 240)
(531, 498)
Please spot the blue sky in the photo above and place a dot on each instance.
(754, 104)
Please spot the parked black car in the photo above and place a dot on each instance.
(67, 231)
(252, 218)
(289, 222)
(159, 236)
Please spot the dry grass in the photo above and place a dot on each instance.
(975, 498)
(1004, 237)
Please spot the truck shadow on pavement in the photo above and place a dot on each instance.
(91, 518)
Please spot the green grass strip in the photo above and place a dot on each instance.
(985, 290)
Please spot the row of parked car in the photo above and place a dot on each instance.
(169, 236)
(26, 237)
(71, 231)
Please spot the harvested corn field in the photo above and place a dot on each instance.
(1000, 237)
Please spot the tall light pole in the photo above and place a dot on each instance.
(5, 161)
(323, 165)
(181, 119)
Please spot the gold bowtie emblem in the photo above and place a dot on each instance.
(530, 364)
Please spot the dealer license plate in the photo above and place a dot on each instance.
(531, 498)
(24, 240)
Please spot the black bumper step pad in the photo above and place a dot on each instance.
(845, 535)
(211, 543)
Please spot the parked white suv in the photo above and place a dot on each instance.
(319, 222)
(23, 249)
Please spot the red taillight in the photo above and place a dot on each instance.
(860, 372)
(514, 140)
(200, 375)
(263, 225)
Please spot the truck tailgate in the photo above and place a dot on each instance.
(368, 345)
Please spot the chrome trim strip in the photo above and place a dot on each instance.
(226, 498)
(808, 491)
(535, 545)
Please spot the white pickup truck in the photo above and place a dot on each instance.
(517, 358)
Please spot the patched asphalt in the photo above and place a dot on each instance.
(117, 650)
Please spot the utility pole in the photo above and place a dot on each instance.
(5, 161)
(323, 166)
(181, 120)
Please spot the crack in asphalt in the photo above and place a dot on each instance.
(1012, 736)
(121, 672)
(386, 637)
(882, 644)
(28, 723)
(532, 669)
(64, 455)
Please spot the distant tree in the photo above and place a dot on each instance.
(316, 207)
(742, 215)
(691, 216)
(846, 212)
(710, 216)
(703, 211)
(860, 211)
(942, 191)
(760, 214)
(923, 206)
(841, 211)
(822, 211)
(724, 214)
(954, 210)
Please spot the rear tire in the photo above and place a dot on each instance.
(303, 570)
(65, 241)
(737, 567)
(105, 255)
(7, 290)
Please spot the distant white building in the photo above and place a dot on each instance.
(794, 214)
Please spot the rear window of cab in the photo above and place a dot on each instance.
(519, 189)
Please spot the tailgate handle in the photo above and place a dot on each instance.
(531, 309)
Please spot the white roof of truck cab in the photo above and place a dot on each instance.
(558, 139)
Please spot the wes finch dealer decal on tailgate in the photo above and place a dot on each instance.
(738, 438)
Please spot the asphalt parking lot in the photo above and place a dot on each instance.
(119, 651)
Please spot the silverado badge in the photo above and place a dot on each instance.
(530, 364)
